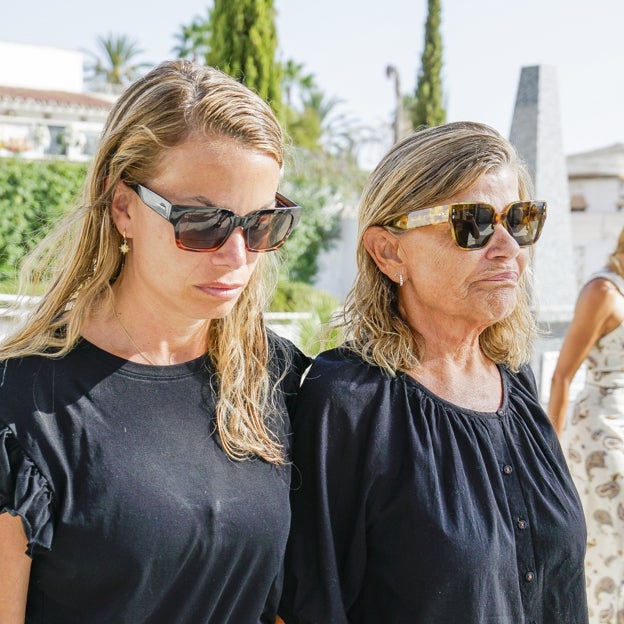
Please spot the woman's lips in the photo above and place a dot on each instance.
(222, 290)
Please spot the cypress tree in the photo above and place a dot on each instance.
(428, 109)
(243, 43)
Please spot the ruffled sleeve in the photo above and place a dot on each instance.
(25, 492)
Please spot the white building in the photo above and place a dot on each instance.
(596, 182)
(44, 110)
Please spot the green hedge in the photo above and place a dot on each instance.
(301, 297)
(33, 195)
(317, 333)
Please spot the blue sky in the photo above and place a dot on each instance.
(348, 43)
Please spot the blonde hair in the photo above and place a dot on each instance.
(81, 258)
(613, 262)
(425, 169)
(619, 248)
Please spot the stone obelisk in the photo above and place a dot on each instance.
(536, 134)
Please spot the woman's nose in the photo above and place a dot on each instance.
(233, 252)
(502, 242)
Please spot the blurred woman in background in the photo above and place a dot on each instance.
(593, 438)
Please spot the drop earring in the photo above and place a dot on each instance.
(124, 247)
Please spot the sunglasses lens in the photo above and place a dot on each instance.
(203, 230)
(472, 225)
(207, 230)
(525, 221)
(268, 229)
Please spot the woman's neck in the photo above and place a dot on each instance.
(471, 380)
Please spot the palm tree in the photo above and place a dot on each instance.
(337, 130)
(295, 80)
(399, 113)
(115, 68)
(194, 40)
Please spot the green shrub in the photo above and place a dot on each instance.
(315, 333)
(302, 297)
(33, 195)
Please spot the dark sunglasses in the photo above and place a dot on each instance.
(473, 223)
(206, 228)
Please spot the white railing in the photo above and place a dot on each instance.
(13, 309)
(288, 324)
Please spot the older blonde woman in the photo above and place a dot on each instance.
(143, 407)
(593, 438)
(432, 487)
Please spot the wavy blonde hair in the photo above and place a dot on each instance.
(613, 261)
(425, 169)
(80, 259)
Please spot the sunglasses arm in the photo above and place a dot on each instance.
(155, 202)
(420, 218)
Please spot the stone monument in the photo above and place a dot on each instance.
(536, 134)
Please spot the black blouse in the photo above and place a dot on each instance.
(408, 509)
(133, 512)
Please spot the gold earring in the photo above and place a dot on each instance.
(124, 247)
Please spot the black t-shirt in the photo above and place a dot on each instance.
(134, 513)
(408, 509)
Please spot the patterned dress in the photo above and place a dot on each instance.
(594, 447)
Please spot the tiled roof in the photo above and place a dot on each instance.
(59, 98)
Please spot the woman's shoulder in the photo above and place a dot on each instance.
(341, 356)
(23, 385)
(22, 371)
(345, 397)
(523, 378)
(341, 371)
(599, 297)
(603, 281)
(341, 360)
(36, 383)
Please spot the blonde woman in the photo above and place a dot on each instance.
(593, 437)
(143, 406)
(432, 487)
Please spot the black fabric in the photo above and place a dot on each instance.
(134, 513)
(408, 509)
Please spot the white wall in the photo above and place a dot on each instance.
(594, 237)
(601, 194)
(337, 267)
(40, 67)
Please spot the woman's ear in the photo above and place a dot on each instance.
(121, 212)
(383, 247)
